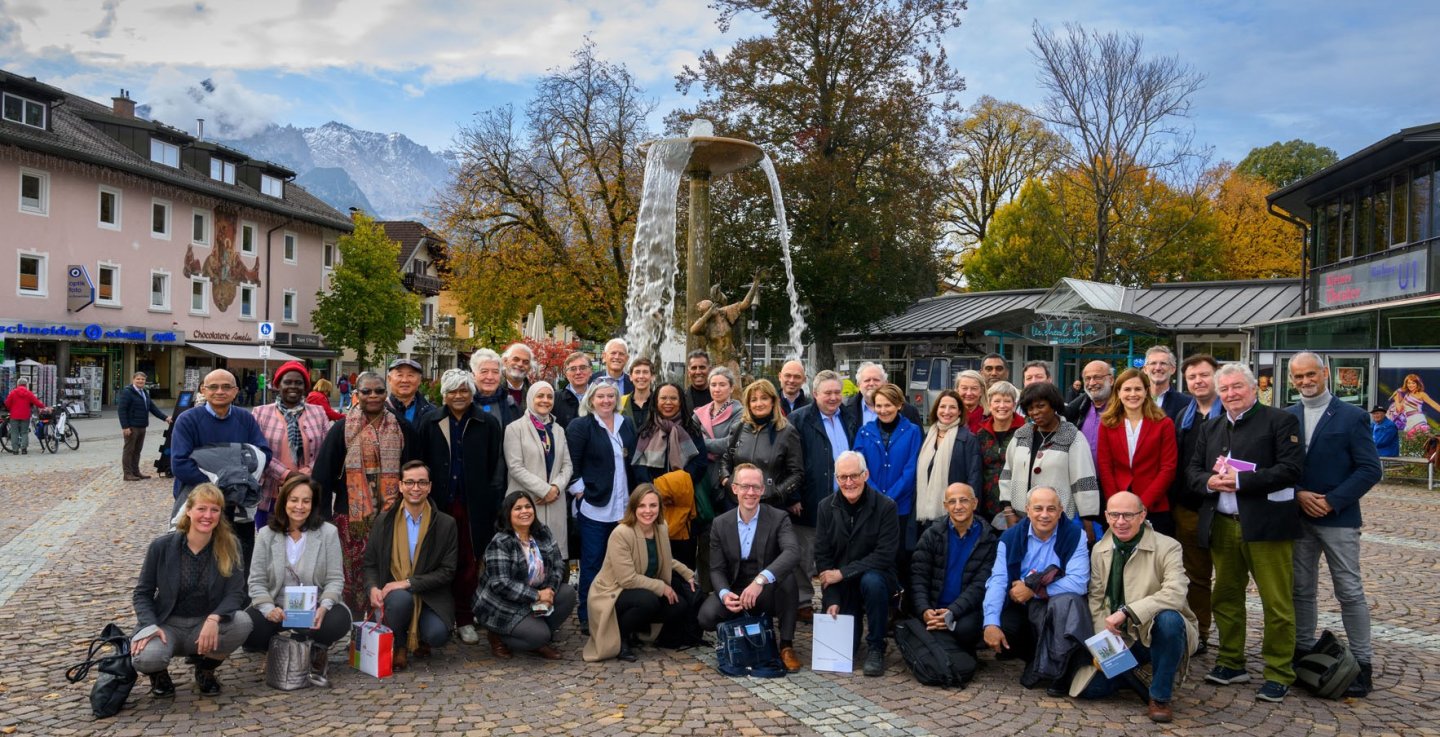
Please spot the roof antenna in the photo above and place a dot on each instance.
(200, 129)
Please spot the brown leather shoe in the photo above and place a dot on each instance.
(498, 648)
(791, 661)
(1160, 712)
(545, 651)
(143, 476)
(131, 477)
(399, 660)
(806, 614)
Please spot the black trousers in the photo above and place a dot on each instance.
(637, 609)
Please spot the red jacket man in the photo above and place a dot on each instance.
(21, 401)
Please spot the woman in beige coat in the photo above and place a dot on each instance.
(538, 461)
(636, 586)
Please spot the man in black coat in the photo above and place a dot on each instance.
(405, 400)
(135, 408)
(1160, 367)
(859, 409)
(823, 437)
(948, 572)
(1247, 464)
(577, 382)
(855, 548)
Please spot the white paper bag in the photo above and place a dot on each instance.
(833, 648)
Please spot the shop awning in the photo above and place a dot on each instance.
(239, 352)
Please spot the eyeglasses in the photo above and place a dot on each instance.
(415, 483)
(219, 387)
(848, 477)
(1127, 516)
(959, 502)
(577, 367)
(369, 392)
(749, 487)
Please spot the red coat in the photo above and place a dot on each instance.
(319, 400)
(1150, 476)
(20, 401)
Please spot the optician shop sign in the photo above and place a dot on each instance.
(92, 333)
(1401, 275)
(1065, 332)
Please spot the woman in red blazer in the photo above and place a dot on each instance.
(1137, 447)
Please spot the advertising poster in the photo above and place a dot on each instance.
(1406, 397)
(1266, 379)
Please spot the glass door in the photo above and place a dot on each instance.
(1352, 379)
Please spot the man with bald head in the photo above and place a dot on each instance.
(1097, 377)
(948, 572)
(218, 420)
(1137, 591)
(792, 387)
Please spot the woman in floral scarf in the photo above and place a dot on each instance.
(670, 442)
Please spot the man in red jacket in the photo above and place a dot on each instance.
(21, 402)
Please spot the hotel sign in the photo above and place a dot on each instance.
(1401, 275)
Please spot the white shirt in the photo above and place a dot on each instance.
(295, 548)
(615, 510)
(1132, 437)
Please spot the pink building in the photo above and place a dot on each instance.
(190, 246)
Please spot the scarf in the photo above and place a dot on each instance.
(934, 470)
(668, 447)
(402, 567)
(1115, 588)
(372, 465)
(292, 430)
(709, 422)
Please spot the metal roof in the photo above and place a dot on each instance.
(1173, 307)
(1384, 154)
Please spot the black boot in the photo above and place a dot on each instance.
(1362, 685)
(205, 678)
(319, 665)
(161, 685)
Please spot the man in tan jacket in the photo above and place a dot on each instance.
(1137, 591)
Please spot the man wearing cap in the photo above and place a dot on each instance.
(405, 399)
(1384, 433)
(293, 428)
(135, 408)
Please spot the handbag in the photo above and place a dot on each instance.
(746, 645)
(116, 671)
(287, 663)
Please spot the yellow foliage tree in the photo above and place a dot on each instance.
(1254, 243)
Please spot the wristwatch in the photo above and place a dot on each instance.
(761, 581)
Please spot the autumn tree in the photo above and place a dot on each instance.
(851, 99)
(996, 148)
(543, 207)
(367, 308)
(1123, 115)
(1254, 243)
(1283, 164)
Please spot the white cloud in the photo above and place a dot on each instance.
(230, 109)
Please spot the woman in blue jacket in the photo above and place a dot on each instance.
(891, 446)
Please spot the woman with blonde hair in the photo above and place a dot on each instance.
(970, 386)
(190, 597)
(764, 438)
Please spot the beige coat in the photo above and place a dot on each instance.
(625, 562)
(1154, 581)
(525, 464)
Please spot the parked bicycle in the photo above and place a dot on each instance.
(52, 427)
(5, 430)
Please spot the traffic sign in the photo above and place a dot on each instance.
(267, 331)
(265, 351)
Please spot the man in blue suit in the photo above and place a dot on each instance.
(1341, 464)
(823, 437)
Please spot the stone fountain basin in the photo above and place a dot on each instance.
(717, 155)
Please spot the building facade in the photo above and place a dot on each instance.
(135, 246)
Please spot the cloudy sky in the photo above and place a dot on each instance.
(1341, 74)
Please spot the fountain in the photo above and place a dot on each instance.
(650, 303)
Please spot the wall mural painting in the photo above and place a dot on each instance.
(224, 267)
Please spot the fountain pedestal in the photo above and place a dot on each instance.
(710, 156)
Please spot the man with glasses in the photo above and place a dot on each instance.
(1137, 592)
(216, 421)
(1160, 367)
(855, 546)
(753, 552)
(410, 563)
(1084, 412)
(577, 382)
(948, 572)
(823, 437)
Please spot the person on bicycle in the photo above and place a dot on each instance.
(21, 402)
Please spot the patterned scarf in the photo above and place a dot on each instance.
(372, 466)
(667, 448)
(292, 429)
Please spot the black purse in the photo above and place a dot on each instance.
(116, 673)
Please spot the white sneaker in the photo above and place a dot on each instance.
(468, 635)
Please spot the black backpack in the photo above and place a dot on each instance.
(931, 663)
(1329, 669)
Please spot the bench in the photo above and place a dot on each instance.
(1390, 463)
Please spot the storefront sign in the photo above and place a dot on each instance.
(1065, 332)
(92, 333)
(79, 290)
(1401, 275)
(304, 340)
(221, 336)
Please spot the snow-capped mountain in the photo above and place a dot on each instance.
(395, 177)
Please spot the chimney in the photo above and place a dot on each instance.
(200, 129)
(124, 106)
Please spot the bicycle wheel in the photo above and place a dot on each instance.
(71, 438)
(5, 437)
(49, 442)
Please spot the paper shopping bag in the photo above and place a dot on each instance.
(370, 647)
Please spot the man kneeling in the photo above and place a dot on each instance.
(753, 556)
(1138, 592)
(948, 571)
(1034, 603)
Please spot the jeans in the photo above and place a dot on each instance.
(1272, 566)
(1167, 648)
(19, 435)
(1341, 546)
(534, 633)
(871, 596)
(399, 605)
(594, 537)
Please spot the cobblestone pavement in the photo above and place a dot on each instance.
(73, 535)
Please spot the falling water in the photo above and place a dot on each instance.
(650, 306)
(797, 319)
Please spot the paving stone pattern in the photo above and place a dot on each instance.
(73, 536)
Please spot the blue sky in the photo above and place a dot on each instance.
(1341, 74)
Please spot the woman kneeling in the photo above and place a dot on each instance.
(523, 598)
(188, 598)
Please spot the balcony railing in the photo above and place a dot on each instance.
(423, 284)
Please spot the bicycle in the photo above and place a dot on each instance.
(5, 430)
(53, 427)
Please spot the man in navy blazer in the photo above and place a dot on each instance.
(824, 435)
(135, 408)
(1341, 464)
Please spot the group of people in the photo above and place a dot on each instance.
(1008, 519)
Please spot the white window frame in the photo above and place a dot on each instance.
(43, 274)
(254, 238)
(290, 248)
(163, 152)
(169, 219)
(165, 305)
(427, 314)
(329, 255)
(205, 297)
(241, 298)
(290, 299)
(44, 111)
(227, 170)
(209, 227)
(43, 209)
(114, 300)
(269, 183)
(100, 207)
